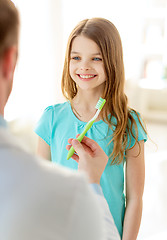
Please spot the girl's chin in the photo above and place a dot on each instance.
(86, 79)
(87, 87)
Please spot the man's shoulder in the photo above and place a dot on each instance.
(13, 152)
(8, 140)
(60, 194)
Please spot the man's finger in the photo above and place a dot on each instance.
(86, 148)
(75, 157)
(70, 140)
(78, 147)
(68, 147)
(90, 143)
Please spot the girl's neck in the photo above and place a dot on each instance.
(86, 99)
(83, 105)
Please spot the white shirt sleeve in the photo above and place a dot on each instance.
(110, 229)
(91, 217)
(86, 216)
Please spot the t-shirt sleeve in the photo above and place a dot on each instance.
(142, 135)
(43, 127)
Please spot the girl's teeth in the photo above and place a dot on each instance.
(86, 76)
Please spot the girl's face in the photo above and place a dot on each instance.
(86, 64)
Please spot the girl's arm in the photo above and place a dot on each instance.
(135, 176)
(43, 149)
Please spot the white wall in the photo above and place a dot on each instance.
(37, 77)
(45, 27)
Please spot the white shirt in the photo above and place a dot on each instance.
(42, 201)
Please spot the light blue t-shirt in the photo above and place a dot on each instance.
(58, 123)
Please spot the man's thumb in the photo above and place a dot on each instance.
(77, 146)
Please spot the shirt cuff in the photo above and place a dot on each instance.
(97, 189)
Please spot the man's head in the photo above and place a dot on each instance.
(9, 34)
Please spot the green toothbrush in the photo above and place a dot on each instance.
(99, 107)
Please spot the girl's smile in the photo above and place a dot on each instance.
(86, 77)
(86, 64)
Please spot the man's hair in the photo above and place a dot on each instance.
(9, 25)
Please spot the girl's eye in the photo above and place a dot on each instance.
(97, 59)
(76, 58)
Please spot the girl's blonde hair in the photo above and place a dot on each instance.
(107, 37)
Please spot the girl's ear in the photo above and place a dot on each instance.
(9, 62)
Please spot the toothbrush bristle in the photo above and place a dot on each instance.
(100, 103)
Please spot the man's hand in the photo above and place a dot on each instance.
(90, 157)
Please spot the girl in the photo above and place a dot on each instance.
(94, 68)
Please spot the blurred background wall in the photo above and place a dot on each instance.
(45, 27)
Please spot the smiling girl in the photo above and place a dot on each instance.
(94, 68)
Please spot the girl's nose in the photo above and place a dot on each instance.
(85, 66)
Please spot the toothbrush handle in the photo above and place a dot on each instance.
(87, 127)
(70, 153)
